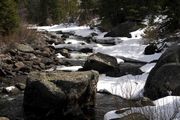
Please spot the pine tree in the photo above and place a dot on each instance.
(9, 19)
(56, 11)
(88, 10)
(114, 12)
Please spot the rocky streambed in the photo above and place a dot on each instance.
(74, 94)
(56, 77)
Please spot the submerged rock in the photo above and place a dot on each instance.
(59, 95)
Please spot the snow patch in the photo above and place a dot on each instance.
(129, 87)
(69, 68)
(10, 88)
(59, 55)
(147, 68)
(167, 108)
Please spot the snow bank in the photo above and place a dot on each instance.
(148, 67)
(83, 31)
(128, 50)
(129, 87)
(69, 68)
(167, 108)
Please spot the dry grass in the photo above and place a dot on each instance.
(22, 35)
(151, 34)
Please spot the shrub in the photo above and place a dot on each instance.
(20, 36)
(151, 35)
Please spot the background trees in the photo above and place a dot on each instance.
(111, 12)
(88, 9)
(9, 19)
(114, 12)
(46, 12)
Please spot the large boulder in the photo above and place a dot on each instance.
(122, 30)
(166, 81)
(170, 60)
(59, 95)
(100, 62)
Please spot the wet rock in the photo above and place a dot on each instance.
(10, 90)
(65, 53)
(104, 100)
(11, 107)
(24, 48)
(109, 102)
(36, 67)
(19, 65)
(150, 49)
(53, 36)
(65, 35)
(5, 57)
(42, 65)
(59, 95)
(109, 41)
(94, 34)
(101, 62)
(2, 72)
(28, 63)
(20, 86)
(37, 61)
(46, 52)
(86, 50)
(72, 62)
(12, 52)
(47, 61)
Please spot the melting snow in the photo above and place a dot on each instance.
(129, 87)
(167, 108)
(148, 67)
(70, 68)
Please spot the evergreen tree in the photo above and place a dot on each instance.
(9, 19)
(88, 10)
(42, 11)
(172, 9)
(114, 12)
(33, 7)
(118, 11)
